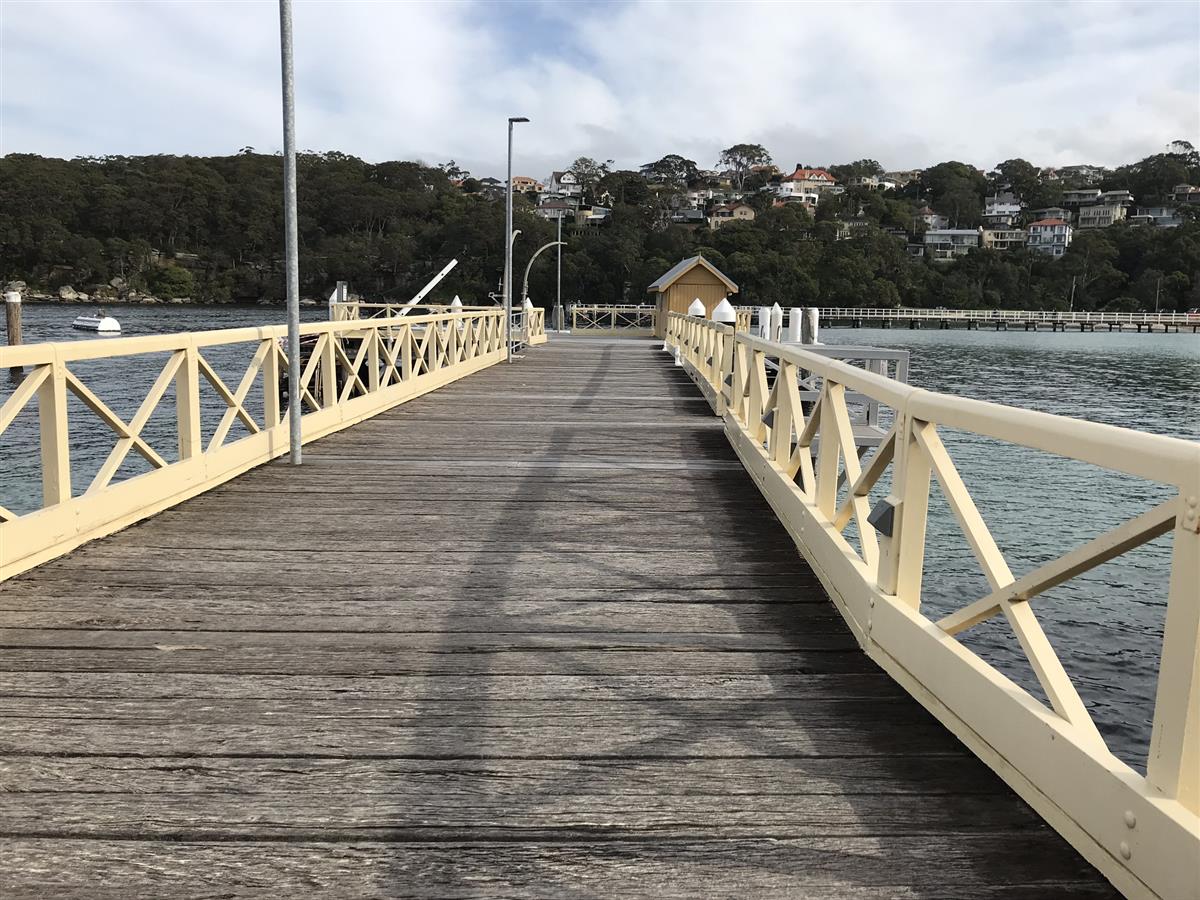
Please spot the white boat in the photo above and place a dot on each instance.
(98, 322)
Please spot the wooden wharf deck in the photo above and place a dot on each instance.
(534, 634)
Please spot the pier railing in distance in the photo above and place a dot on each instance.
(1009, 315)
(352, 370)
(613, 320)
(1142, 832)
(362, 309)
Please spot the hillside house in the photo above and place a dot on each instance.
(942, 244)
(1002, 238)
(523, 184)
(931, 219)
(1049, 236)
(1101, 215)
(1185, 193)
(730, 212)
(565, 184)
(1156, 216)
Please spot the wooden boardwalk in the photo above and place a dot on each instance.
(535, 634)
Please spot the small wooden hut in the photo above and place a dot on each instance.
(688, 280)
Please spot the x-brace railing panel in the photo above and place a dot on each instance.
(351, 369)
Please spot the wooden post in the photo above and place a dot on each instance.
(12, 320)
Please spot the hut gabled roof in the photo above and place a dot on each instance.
(681, 268)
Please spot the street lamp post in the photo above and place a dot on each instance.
(290, 242)
(508, 230)
(562, 321)
(529, 265)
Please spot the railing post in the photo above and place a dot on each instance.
(902, 553)
(55, 436)
(1173, 765)
(187, 402)
(272, 412)
(375, 337)
(328, 373)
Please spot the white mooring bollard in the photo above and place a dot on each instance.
(697, 308)
(764, 322)
(724, 313)
(776, 323)
(795, 318)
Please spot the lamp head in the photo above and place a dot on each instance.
(512, 119)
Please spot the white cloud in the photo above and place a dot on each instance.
(908, 84)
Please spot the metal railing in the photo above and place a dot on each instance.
(1142, 832)
(351, 370)
(1009, 315)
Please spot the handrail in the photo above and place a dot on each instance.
(1142, 832)
(1010, 315)
(354, 369)
(614, 319)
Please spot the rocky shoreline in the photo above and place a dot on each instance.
(117, 291)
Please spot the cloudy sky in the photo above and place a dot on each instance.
(908, 84)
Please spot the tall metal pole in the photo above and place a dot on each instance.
(508, 235)
(558, 292)
(291, 243)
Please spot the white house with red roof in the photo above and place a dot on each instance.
(1049, 236)
(805, 185)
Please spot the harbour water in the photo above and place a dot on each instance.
(1105, 625)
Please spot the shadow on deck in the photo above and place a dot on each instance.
(535, 633)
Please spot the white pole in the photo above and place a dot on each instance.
(795, 315)
(291, 244)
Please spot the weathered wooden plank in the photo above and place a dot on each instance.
(646, 736)
(946, 866)
(403, 643)
(259, 613)
(194, 656)
(453, 811)
(638, 779)
(594, 686)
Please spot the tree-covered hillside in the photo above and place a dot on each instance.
(210, 229)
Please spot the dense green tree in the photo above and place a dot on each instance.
(739, 159)
(673, 170)
(209, 228)
(860, 167)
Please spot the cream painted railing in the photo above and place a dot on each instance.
(535, 325)
(1143, 833)
(354, 369)
(609, 320)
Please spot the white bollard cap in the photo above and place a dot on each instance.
(697, 308)
(456, 303)
(724, 312)
(528, 304)
(12, 296)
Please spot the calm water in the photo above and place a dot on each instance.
(1106, 626)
